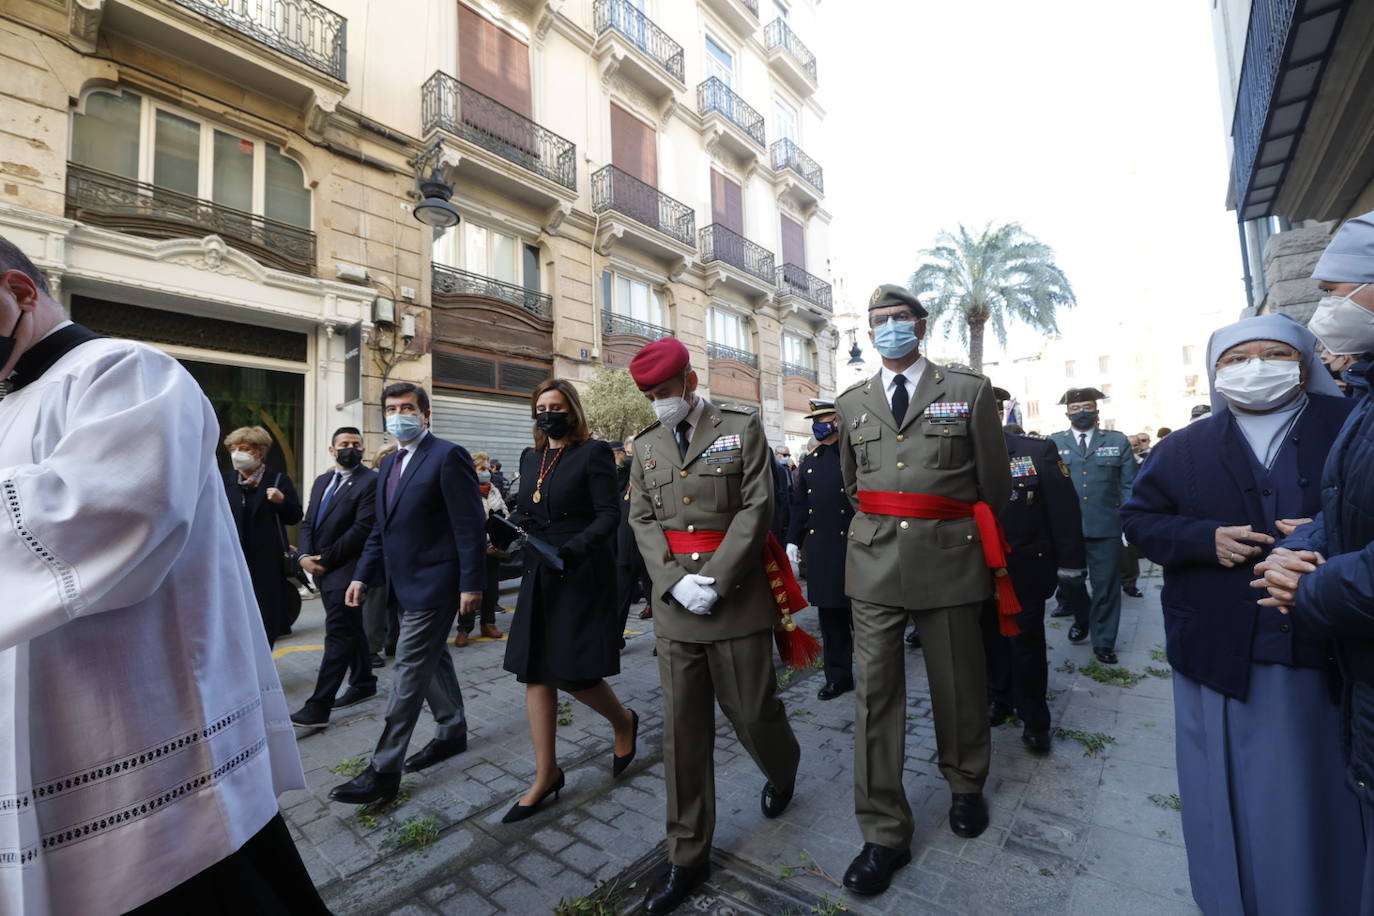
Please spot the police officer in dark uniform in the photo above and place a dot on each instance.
(1044, 527)
(821, 511)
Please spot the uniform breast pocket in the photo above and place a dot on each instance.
(866, 441)
(956, 532)
(722, 476)
(664, 496)
(947, 444)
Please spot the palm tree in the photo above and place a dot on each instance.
(1000, 275)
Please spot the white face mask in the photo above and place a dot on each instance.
(1342, 325)
(244, 461)
(671, 411)
(1259, 384)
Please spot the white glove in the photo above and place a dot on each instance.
(794, 557)
(695, 593)
(1070, 573)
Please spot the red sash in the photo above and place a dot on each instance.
(995, 548)
(796, 647)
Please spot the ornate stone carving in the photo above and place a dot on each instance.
(555, 216)
(628, 89)
(85, 22)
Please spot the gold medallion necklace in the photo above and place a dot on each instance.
(544, 472)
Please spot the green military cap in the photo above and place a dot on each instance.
(1074, 395)
(890, 294)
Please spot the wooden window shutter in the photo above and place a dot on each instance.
(493, 62)
(727, 202)
(633, 147)
(793, 243)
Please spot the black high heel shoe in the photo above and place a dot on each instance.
(520, 812)
(618, 763)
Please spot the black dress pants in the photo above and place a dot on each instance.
(1018, 669)
(632, 583)
(345, 649)
(837, 645)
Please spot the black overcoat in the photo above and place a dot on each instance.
(1042, 521)
(262, 534)
(820, 514)
(566, 627)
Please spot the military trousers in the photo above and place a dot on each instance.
(1100, 615)
(952, 640)
(738, 674)
(1018, 668)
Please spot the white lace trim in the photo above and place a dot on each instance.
(67, 585)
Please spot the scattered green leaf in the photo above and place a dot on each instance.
(1067, 668)
(1110, 675)
(414, 832)
(1093, 742)
(1165, 834)
(1171, 801)
(350, 766)
(604, 900)
(1158, 654)
(1160, 672)
(1055, 625)
(565, 713)
(366, 820)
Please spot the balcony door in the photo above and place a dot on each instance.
(720, 63)
(785, 120)
(494, 65)
(727, 202)
(634, 150)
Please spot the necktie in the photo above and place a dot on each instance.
(1083, 442)
(900, 399)
(393, 478)
(684, 436)
(328, 495)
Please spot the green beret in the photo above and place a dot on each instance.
(890, 294)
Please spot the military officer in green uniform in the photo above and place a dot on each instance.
(1102, 468)
(701, 506)
(923, 458)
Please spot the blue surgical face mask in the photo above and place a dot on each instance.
(403, 426)
(895, 339)
(822, 431)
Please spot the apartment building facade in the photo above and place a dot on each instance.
(235, 182)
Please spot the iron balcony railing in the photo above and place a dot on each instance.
(138, 208)
(614, 323)
(1271, 21)
(447, 104)
(794, 281)
(787, 155)
(792, 369)
(777, 34)
(454, 282)
(721, 243)
(641, 32)
(714, 95)
(313, 34)
(721, 351)
(618, 190)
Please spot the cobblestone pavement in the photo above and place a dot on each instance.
(1071, 832)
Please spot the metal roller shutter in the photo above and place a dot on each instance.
(499, 426)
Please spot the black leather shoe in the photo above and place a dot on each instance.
(830, 691)
(375, 660)
(968, 814)
(1105, 656)
(674, 886)
(872, 869)
(1062, 612)
(434, 752)
(618, 763)
(354, 695)
(367, 787)
(913, 639)
(305, 717)
(774, 801)
(520, 812)
(1133, 591)
(999, 713)
(1036, 740)
(1077, 634)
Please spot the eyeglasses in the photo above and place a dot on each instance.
(880, 320)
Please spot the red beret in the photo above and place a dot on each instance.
(658, 362)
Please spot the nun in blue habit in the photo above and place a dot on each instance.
(1269, 824)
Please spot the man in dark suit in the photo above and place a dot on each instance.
(1045, 530)
(632, 576)
(821, 511)
(430, 542)
(343, 510)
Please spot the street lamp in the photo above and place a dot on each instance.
(855, 354)
(434, 209)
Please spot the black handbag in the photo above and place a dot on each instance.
(503, 533)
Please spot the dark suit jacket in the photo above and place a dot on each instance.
(820, 514)
(1041, 521)
(1195, 481)
(339, 536)
(262, 533)
(432, 544)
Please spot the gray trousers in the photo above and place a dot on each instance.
(1100, 616)
(423, 673)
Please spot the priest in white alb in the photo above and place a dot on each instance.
(144, 737)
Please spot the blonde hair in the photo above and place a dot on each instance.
(255, 436)
(382, 453)
(481, 461)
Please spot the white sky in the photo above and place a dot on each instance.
(1097, 125)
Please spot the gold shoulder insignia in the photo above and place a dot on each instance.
(1063, 469)
(646, 429)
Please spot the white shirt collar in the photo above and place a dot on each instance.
(694, 415)
(914, 373)
(56, 328)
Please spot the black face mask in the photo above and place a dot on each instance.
(7, 343)
(1083, 420)
(553, 425)
(349, 458)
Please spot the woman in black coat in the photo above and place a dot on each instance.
(263, 502)
(566, 632)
